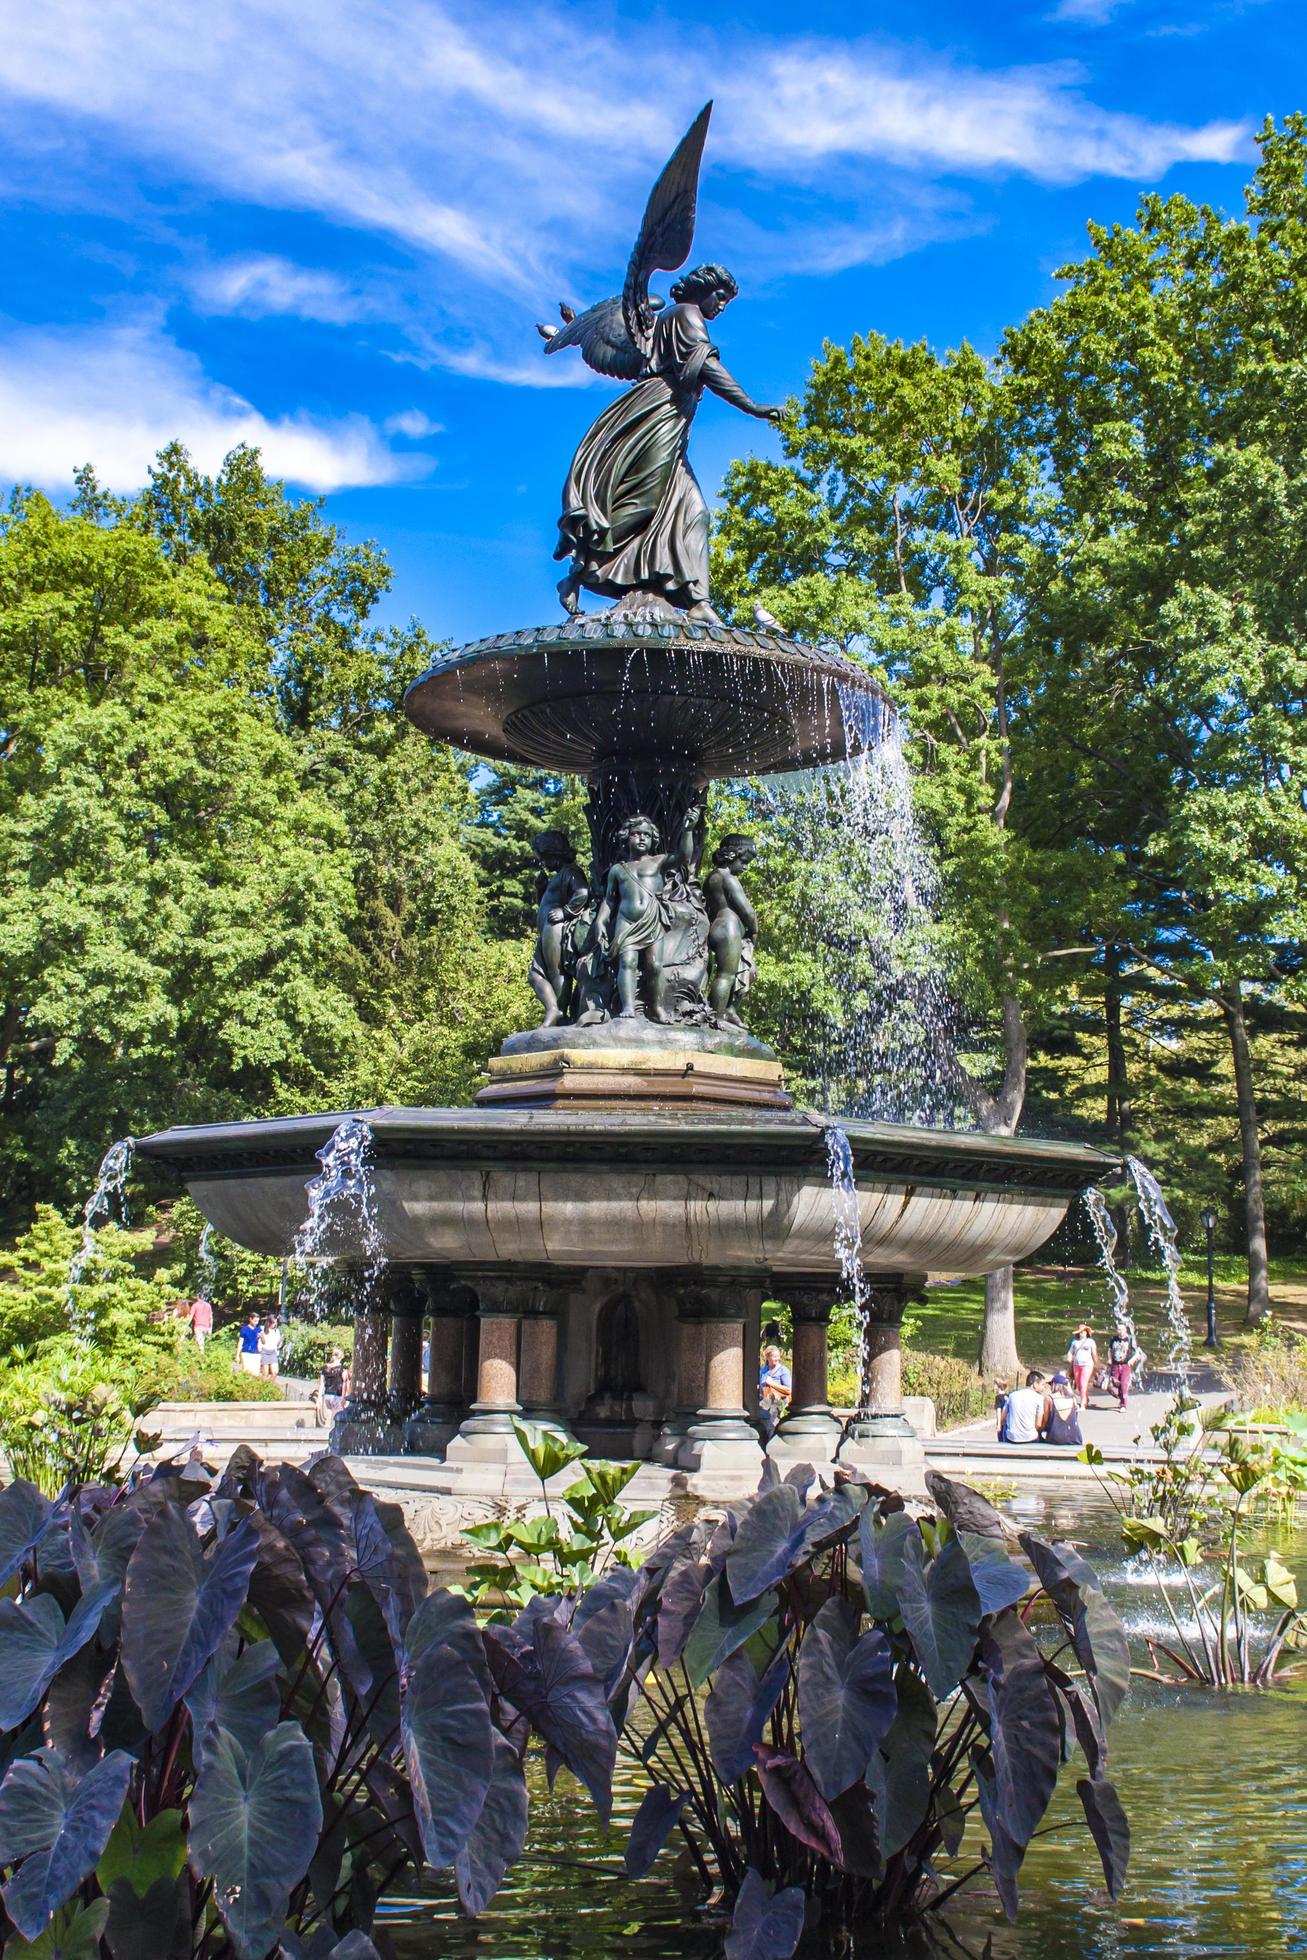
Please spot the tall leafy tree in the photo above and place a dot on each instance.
(1168, 385)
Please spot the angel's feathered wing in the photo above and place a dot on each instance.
(600, 333)
(667, 232)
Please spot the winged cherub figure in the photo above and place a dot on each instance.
(634, 522)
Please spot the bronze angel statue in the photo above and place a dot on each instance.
(634, 522)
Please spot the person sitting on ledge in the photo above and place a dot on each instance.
(1062, 1417)
(1027, 1412)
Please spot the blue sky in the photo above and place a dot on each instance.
(329, 229)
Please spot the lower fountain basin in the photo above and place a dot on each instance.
(645, 1189)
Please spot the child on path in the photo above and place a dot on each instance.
(1083, 1356)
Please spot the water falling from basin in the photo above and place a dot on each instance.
(110, 1188)
(1161, 1230)
(341, 1221)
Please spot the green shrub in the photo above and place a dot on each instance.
(953, 1385)
(306, 1346)
(1268, 1371)
(62, 1423)
(214, 1377)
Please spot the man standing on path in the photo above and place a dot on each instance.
(247, 1351)
(201, 1319)
(1083, 1356)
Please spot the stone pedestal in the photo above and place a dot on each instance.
(880, 1435)
(451, 1314)
(721, 1439)
(406, 1301)
(486, 1433)
(809, 1432)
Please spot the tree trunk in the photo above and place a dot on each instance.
(1119, 1111)
(998, 1333)
(1259, 1284)
(998, 1113)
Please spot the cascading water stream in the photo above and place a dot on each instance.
(1160, 1226)
(342, 1225)
(848, 1237)
(110, 1186)
(207, 1263)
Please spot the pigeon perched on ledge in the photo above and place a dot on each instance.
(568, 313)
(765, 622)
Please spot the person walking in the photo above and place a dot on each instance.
(1026, 1415)
(775, 1390)
(1083, 1357)
(201, 1319)
(247, 1346)
(270, 1348)
(1062, 1417)
(333, 1388)
(1123, 1357)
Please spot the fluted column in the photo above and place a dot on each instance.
(808, 1432)
(721, 1437)
(450, 1307)
(880, 1435)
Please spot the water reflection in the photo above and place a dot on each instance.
(1215, 1786)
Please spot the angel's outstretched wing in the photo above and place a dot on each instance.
(600, 333)
(668, 229)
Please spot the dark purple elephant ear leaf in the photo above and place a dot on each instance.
(254, 1825)
(722, 1627)
(941, 1611)
(58, 1825)
(769, 1539)
(448, 1744)
(552, 1684)
(178, 1606)
(25, 1516)
(965, 1509)
(796, 1800)
(738, 1708)
(765, 1927)
(846, 1697)
(1110, 1828)
(36, 1642)
(659, 1809)
(497, 1837)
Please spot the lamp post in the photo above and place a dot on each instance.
(1208, 1217)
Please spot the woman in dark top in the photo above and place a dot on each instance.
(1063, 1420)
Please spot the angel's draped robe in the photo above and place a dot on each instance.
(634, 518)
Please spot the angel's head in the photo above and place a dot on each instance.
(709, 287)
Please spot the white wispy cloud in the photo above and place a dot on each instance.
(502, 139)
(413, 424)
(115, 395)
(1089, 13)
(264, 284)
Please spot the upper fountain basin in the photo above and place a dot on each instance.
(713, 701)
(645, 1189)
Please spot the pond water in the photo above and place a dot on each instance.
(1215, 1786)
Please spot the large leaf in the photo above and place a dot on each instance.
(796, 1800)
(553, 1685)
(73, 1714)
(1004, 1856)
(846, 1696)
(448, 1750)
(1061, 1571)
(447, 1619)
(606, 1637)
(58, 1824)
(738, 1708)
(770, 1536)
(1103, 1651)
(763, 1927)
(71, 1935)
(722, 1626)
(659, 1809)
(254, 1823)
(1111, 1830)
(941, 1611)
(999, 1580)
(898, 1774)
(498, 1835)
(144, 1928)
(25, 1515)
(882, 1550)
(965, 1509)
(35, 1641)
(239, 1693)
(139, 1855)
(679, 1602)
(177, 1607)
(1025, 1732)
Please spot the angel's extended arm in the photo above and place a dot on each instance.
(723, 383)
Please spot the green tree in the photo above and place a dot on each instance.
(1168, 387)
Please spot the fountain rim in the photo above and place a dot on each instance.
(674, 1142)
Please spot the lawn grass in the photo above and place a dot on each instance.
(1050, 1304)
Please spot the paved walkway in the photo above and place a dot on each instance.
(1121, 1437)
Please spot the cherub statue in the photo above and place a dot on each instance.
(633, 914)
(634, 523)
(732, 928)
(562, 892)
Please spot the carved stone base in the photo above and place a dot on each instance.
(882, 1442)
(574, 1076)
(812, 1437)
